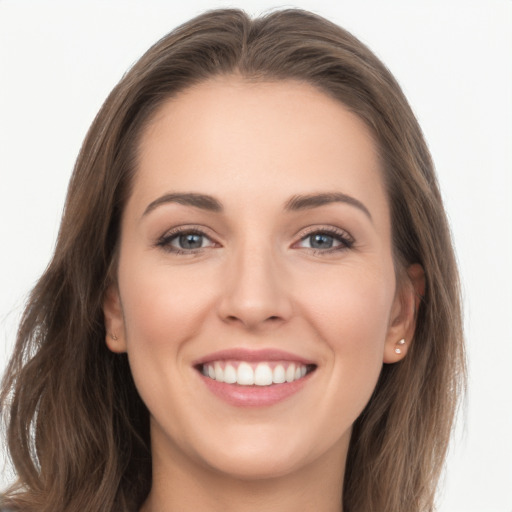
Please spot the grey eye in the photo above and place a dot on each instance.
(189, 241)
(185, 241)
(321, 241)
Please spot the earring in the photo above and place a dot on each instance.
(114, 337)
(400, 343)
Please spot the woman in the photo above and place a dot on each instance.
(253, 302)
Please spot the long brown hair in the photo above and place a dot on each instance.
(77, 430)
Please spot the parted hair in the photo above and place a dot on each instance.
(76, 429)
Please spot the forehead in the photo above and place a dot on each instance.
(229, 136)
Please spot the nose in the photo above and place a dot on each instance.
(256, 290)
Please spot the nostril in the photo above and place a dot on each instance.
(234, 318)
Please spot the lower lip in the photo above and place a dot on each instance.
(254, 396)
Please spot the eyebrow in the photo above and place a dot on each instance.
(305, 202)
(295, 203)
(190, 199)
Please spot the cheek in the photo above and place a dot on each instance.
(352, 308)
(351, 314)
(163, 309)
(160, 304)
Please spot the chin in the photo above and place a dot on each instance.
(260, 466)
(269, 455)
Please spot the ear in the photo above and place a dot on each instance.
(114, 320)
(403, 315)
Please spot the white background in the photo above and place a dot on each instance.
(59, 60)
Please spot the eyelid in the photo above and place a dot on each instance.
(344, 237)
(165, 240)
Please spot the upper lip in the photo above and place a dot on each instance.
(242, 354)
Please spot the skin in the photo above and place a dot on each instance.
(256, 283)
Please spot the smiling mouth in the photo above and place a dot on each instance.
(263, 373)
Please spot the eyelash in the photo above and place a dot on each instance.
(346, 241)
(341, 236)
(165, 241)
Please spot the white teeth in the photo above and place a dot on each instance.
(246, 374)
(229, 374)
(279, 375)
(219, 372)
(263, 375)
(290, 373)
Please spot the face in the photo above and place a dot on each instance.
(256, 294)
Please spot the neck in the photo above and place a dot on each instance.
(181, 484)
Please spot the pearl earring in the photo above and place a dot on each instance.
(398, 350)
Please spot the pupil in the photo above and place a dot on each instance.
(320, 241)
(191, 241)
